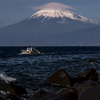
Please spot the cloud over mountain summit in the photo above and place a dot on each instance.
(52, 5)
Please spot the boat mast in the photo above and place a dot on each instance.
(35, 42)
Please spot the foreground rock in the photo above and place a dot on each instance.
(68, 94)
(12, 97)
(76, 85)
(60, 78)
(88, 74)
(2, 98)
(93, 62)
(13, 89)
(83, 86)
(44, 95)
(92, 93)
(86, 85)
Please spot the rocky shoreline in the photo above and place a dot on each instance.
(82, 86)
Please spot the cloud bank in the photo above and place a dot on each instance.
(52, 5)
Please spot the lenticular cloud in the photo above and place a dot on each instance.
(53, 5)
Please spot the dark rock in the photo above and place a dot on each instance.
(76, 85)
(99, 80)
(13, 89)
(93, 77)
(68, 94)
(12, 97)
(86, 85)
(92, 93)
(93, 62)
(2, 98)
(89, 73)
(63, 92)
(44, 95)
(60, 78)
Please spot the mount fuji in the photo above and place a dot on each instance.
(46, 26)
(49, 13)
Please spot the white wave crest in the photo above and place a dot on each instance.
(5, 78)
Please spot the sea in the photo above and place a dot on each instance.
(30, 71)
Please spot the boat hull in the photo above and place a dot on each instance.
(29, 52)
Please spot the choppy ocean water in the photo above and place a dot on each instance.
(30, 71)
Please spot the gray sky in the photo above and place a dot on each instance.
(13, 11)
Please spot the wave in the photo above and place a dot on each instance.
(6, 78)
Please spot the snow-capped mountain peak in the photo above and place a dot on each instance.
(56, 13)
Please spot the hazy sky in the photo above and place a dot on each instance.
(13, 11)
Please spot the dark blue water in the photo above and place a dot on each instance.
(30, 71)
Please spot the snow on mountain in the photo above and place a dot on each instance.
(62, 13)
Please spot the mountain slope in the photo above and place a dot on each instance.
(85, 37)
(44, 25)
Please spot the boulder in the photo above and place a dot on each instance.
(92, 93)
(93, 62)
(64, 91)
(68, 94)
(76, 85)
(99, 80)
(12, 97)
(88, 74)
(44, 95)
(86, 85)
(2, 98)
(60, 78)
(13, 89)
(93, 77)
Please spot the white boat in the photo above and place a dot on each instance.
(30, 50)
